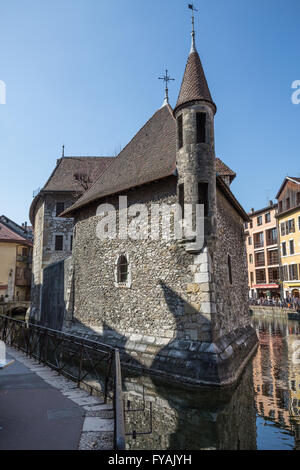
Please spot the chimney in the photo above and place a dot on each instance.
(252, 210)
(271, 204)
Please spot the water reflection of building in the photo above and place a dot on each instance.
(276, 372)
(293, 342)
(190, 419)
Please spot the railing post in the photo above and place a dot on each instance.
(80, 366)
(120, 443)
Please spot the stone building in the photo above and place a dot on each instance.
(173, 307)
(54, 235)
(262, 253)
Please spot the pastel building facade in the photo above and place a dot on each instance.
(289, 235)
(262, 253)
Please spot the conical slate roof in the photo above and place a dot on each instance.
(194, 86)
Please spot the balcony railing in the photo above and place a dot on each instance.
(272, 241)
(259, 263)
(24, 259)
(259, 244)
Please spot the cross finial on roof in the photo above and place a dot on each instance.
(193, 48)
(166, 78)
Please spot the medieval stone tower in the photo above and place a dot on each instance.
(196, 162)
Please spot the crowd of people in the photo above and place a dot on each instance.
(290, 302)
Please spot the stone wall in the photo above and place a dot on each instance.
(37, 259)
(231, 299)
(169, 315)
(57, 294)
(46, 227)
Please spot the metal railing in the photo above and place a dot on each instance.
(92, 365)
(283, 304)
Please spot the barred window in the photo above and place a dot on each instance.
(122, 269)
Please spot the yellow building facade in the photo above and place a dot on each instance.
(289, 236)
(15, 265)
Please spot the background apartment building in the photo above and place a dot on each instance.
(289, 235)
(15, 261)
(262, 252)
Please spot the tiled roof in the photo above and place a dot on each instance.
(150, 156)
(63, 176)
(194, 85)
(223, 169)
(9, 236)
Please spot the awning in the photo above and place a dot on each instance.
(266, 286)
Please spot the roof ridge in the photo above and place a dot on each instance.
(126, 146)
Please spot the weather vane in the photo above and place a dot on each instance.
(191, 7)
(166, 78)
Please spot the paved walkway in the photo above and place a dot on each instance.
(40, 410)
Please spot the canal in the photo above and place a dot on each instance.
(261, 412)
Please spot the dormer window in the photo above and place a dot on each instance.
(201, 128)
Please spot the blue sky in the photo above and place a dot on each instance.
(85, 73)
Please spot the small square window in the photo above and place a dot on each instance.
(59, 243)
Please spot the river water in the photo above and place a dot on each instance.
(262, 412)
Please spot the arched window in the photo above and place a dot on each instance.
(122, 269)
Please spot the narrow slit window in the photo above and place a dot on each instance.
(203, 197)
(180, 132)
(60, 207)
(181, 198)
(122, 269)
(229, 269)
(201, 128)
